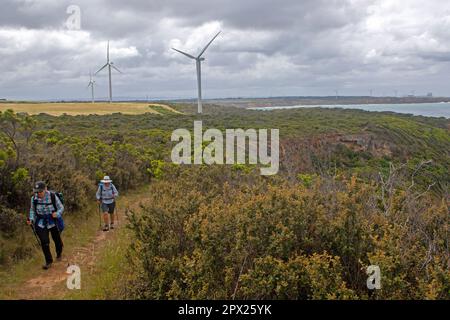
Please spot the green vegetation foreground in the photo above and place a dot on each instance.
(354, 189)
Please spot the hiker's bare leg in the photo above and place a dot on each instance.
(112, 218)
(105, 218)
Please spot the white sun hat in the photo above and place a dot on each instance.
(106, 179)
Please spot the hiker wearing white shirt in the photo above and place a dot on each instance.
(106, 198)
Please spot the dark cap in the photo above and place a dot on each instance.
(39, 186)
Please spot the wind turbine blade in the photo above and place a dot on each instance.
(101, 69)
(209, 43)
(112, 65)
(186, 54)
(107, 53)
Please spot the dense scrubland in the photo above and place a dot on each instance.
(355, 188)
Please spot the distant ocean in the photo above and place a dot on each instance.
(418, 109)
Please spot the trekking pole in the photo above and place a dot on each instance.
(35, 234)
(100, 215)
(117, 212)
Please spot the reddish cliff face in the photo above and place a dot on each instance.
(367, 143)
(319, 152)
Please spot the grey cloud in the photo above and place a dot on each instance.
(290, 47)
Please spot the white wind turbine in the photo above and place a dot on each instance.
(91, 84)
(109, 65)
(198, 62)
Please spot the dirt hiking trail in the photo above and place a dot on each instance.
(51, 284)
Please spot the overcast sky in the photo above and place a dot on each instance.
(266, 48)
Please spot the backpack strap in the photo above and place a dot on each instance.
(35, 204)
(101, 190)
(53, 198)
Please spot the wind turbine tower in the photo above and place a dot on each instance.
(91, 84)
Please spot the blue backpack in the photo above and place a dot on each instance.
(58, 221)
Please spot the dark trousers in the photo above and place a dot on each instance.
(43, 234)
(109, 207)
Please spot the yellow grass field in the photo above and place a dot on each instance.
(86, 108)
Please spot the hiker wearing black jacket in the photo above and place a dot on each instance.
(44, 211)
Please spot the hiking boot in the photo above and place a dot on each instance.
(106, 228)
(112, 226)
(59, 257)
(47, 266)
